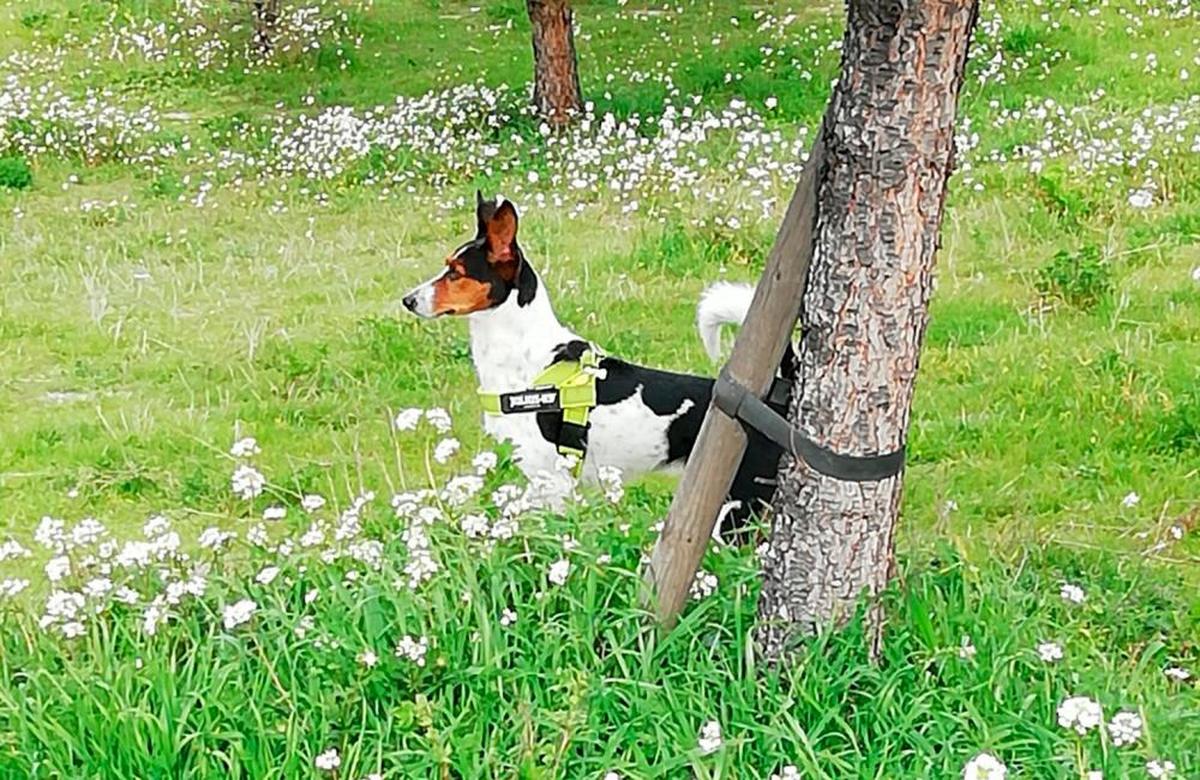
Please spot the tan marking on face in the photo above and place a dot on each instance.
(460, 295)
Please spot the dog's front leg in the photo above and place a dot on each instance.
(552, 481)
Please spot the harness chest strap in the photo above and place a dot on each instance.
(567, 386)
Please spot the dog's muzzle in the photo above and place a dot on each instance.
(420, 300)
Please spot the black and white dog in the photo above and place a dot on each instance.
(645, 419)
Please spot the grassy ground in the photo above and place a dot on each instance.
(169, 286)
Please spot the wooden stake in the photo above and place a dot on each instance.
(722, 441)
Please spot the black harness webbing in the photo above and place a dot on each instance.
(732, 398)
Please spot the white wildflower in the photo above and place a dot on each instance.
(406, 504)
(245, 448)
(311, 503)
(1050, 652)
(407, 419)
(710, 738)
(274, 513)
(196, 584)
(413, 649)
(1160, 768)
(247, 482)
(72, 629)
(475, 526)
(966, 649)
(428, 515)
(1131, 500)
(486, 461)
(156, 526)
(13, 549)
(1125, 728)
(368, 552)
(57, 568)
(703, 585)
(1072, 593)
(445, 450)
(267, 575)
(1177, 673)
(50, 534)
(1079, 713)
(152, 617)
(439, 418)
(610, 479)
(329, 761)
(559, 571)
(61, 606)
(214, 539)
(235, 615)
(1141, 199)
(460, 490)
(420, 567)
(508, 617)
(314, 536)
(257, 535)
(504, 528)
(97, 587)
(985, 766)
(87, 531)
(127, 595)
(11, 587)
(368, 658)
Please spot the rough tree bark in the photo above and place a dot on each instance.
(266, 16)
(556, 91)
(889, 147)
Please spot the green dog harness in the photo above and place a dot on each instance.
(568, 386)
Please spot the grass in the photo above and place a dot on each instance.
(141, 334)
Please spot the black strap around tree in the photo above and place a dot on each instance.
(735, 400)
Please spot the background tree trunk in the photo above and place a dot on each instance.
(889, 146)
(266, 16)
(555, 70)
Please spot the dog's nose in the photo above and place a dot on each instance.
(410, 302)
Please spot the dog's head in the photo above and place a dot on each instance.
(482, 273)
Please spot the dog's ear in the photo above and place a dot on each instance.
(526, 281)
(483, 210)
(501, 229)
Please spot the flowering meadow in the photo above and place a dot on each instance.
(250, 527)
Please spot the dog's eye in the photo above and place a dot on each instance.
(453, 274)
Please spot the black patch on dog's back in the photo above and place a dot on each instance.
(665, 392)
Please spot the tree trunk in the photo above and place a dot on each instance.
(266, 16)
(889, 147)
(555, 71)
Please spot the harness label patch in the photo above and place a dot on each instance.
(529, 401)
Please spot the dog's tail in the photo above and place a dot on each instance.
(724, 303)
(727, 303)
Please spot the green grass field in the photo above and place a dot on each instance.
(197, 247)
